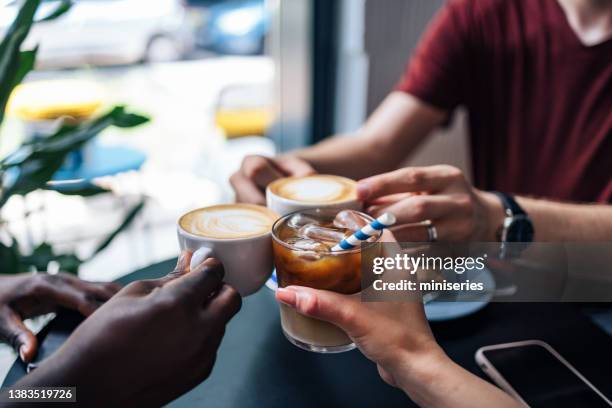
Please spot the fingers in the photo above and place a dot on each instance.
(423, 207)
(253, 177)
(410, 232)
(257, 172)
(224, 305)
(294, 166)
(199, 284)
(64, 292)
(261, 170)
(101, 291)
(14, 332)
(409, 179)
(390, 199)
(182, 266)
(246, 190)
(341, 310)
(142, 287)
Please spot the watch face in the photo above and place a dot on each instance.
(520, 230)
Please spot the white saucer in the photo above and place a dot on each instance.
(439, 311)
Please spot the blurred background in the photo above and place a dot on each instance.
(219, 79)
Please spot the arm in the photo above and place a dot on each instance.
(390, 134)
(152, 342)
(431, 87)
(397, 337)
(27, 295)
(394, 130)
(555, 221)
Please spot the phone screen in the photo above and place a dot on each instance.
(541, 379)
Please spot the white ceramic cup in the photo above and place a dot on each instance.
(283, 206)
(247, 262)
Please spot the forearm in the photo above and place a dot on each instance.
(353, 156)
(434, 380)
(554, 221)
(391, 133)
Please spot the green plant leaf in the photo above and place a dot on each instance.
(27, 59)
(32, 165)
(9, 258)
(130, 216)
(62, 8)
(43, 254)
(39, 258)
(13, 67)
(84, 191)
(69, 263)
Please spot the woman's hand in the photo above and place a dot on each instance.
(28, 295)
(152, 342)
(397, 337)
(386, 333)
(256, 172)
(440, 194)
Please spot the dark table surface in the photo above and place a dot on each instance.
(257, 367)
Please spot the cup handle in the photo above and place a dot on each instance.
(200, 256)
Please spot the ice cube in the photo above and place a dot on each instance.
(306, 244)
(350, 219)
(299, 220)
(318, 233)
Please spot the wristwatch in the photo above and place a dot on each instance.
(517, 226)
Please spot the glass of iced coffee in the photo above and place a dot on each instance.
(302, 243)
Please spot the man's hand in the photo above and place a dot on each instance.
(153, 341)
(28, 295)
(440, 194)
(256, 172)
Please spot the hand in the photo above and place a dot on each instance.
(256, 172)
(440, 194)
(386, 333)
(397, 337)
(153, 341)
(28, 295)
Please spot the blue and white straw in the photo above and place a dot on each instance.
(382, 222)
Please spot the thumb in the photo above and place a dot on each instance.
(14, 332)
(341, 310)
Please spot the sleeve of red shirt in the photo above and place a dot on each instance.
(437, 71)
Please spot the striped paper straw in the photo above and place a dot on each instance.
(382, 222)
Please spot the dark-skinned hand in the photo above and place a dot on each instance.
(27, 295)
(152, 342)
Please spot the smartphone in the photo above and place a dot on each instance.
(535, 374)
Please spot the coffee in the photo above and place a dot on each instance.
(302, 245)
(228, 221)
(236, 234)
(318, 189)
(291, 194)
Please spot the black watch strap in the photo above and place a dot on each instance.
(510, 204)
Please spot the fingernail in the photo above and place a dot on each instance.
(199, 256)
(363, 191)
(286, 296)
(22, 353)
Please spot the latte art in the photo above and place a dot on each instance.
(315, 189)
(228, 221)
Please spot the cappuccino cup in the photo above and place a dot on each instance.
(290, 194)
(236, 234)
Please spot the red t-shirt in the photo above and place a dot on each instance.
(539, 101)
